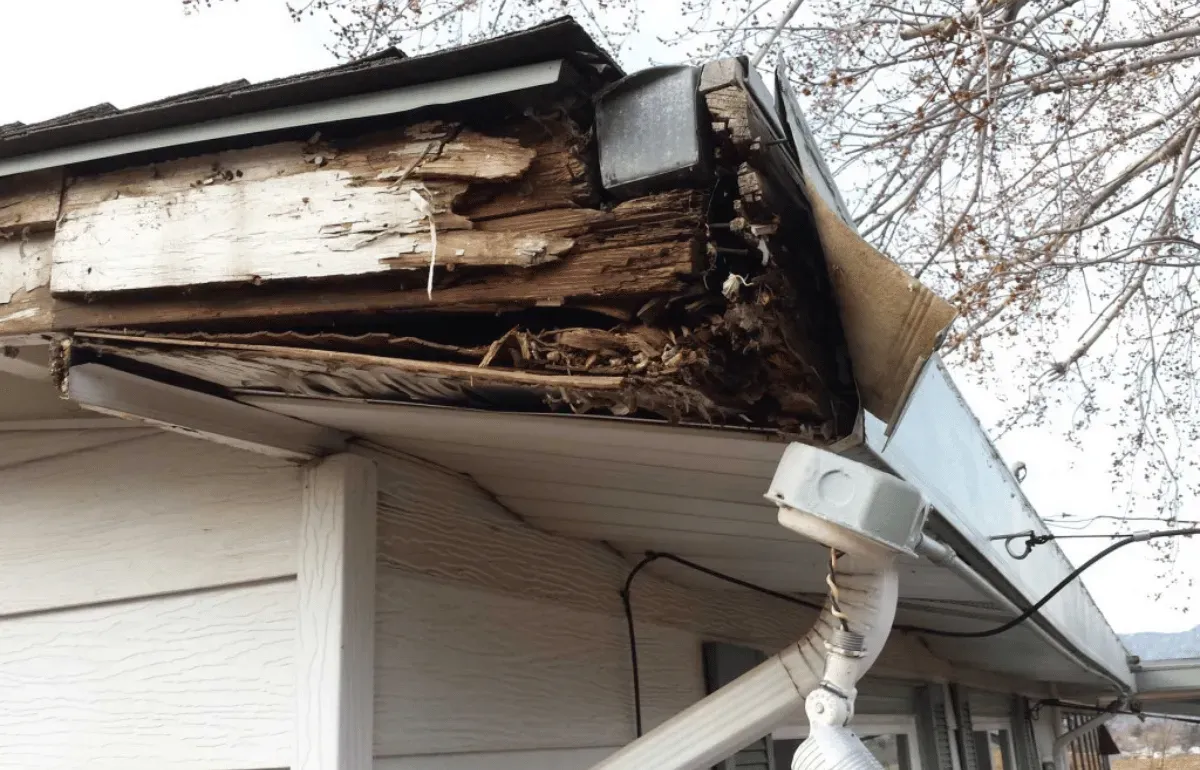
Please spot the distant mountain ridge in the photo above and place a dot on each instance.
(1155, 645)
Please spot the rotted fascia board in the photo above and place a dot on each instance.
(891, 321)
(452, 91)
(938, 444)
(117, 393)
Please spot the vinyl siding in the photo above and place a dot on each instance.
(147, 610)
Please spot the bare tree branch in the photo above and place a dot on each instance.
(1035, 162)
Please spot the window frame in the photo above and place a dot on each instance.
(1002, 725)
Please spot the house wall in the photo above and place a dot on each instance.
(148, 618)
(499, 645)
(147, 603)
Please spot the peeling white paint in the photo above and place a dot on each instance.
(24, 266)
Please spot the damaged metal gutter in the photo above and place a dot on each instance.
(939, 445)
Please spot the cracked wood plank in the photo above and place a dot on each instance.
(289, 211)
(643, 247)
(315, 371)
(324, 373)
(25, 302)
(891, 323)
(30, 202)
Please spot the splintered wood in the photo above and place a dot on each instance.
(25, 282)
(292, 212)
(29, 202)
(301, 268)
(515, 218)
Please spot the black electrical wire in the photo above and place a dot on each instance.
(1123, 712)
(1141, 537)
(1032, 539)
(653, 556)
(627, 600)
(1065, 519)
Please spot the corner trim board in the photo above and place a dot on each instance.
(335, 642)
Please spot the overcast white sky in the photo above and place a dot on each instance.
(62, 55)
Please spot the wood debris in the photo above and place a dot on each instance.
(310, 269)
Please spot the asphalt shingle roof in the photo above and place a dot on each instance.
(562, 38)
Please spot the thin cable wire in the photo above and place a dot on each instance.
(627, 601)
(735, 581)
(1126, 712)
(1108, 536)
(1079, 523)
(835, 595)
(652, 556)
(1138, 538)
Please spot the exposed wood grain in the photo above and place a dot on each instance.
(24, 266)
(459, 248)
(469, 156)
(558, 176)
(311, 211)
(727, 102)
(335, 616)
(320, 372)
(29, 202)
(25, 302)
(319, 224)
(304, 372)
(188, 515)
(438, 151)
(195, 682)
(889, 321)
(287, 211)
(643, 247)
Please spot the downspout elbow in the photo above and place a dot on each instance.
(751, 706)
(870, 517)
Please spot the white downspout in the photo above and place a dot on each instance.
(869, 516)
(755, 703)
